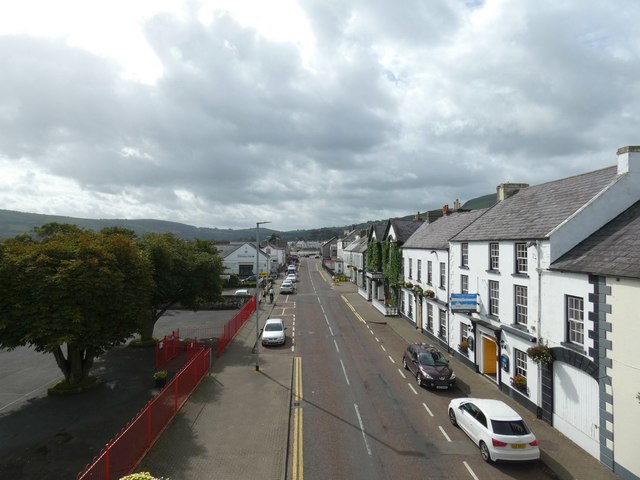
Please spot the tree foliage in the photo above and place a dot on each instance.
(68, 287)
(185, 273)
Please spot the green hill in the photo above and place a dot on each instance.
(13, 223)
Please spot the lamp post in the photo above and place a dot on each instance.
(258, 294)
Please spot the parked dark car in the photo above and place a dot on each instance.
(429, 365)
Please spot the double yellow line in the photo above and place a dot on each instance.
(297, 469)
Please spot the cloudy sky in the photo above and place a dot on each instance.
(305, 113)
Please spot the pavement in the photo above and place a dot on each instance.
(236, 423)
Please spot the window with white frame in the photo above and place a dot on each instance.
(429, 317)
(521, 302)
(410, 268)
(464, 283)
(443, 273)
(520, 363)
(494, 298)
(442, 331)
(494, 256)
(429, 272)
(464, 331)
(464, 254)
(575, 320)
(409, 305)
(419, 271)
(521, 258)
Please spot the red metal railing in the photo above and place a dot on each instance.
(123, 453)
(167, 349)
(233, 325)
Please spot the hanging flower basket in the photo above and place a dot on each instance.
(429, 293)
(408, 284)
(541, 354)
(417, 290)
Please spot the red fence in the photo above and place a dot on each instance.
(233, 325)
(167, 349)
(122, 454)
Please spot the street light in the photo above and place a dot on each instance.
(257, 294)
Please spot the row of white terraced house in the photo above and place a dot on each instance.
(554, 266)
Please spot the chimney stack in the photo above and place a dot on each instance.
(445, 210)
(505, 190)
(456, 205)
(417, 217)
(629, 159)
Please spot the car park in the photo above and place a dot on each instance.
(273, 332)
(496, 428)
(287, 287)
(429, 366)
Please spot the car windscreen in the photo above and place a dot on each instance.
(512, 427)
(273, 327)
(432, 359)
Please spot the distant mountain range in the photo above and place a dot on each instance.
(13, 223)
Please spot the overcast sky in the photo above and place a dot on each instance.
(307, 113)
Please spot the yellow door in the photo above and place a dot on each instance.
(489, 356)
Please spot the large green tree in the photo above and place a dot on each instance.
(185, 273)
(64, 288)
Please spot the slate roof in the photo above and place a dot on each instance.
(358, 246)
(226, 249)
(535, 211)
(613, 250)
(404, 228)
(436, 235)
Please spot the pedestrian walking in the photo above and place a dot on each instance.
(264, 294)
(270, 294)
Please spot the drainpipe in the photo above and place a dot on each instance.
(538, 331)
(448, 304)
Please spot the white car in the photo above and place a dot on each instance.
(242, 291)
(287, 287)
(495, 427)
(273, 332)
(293, 277)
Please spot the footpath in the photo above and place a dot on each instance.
(236, 423)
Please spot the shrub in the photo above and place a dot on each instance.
(541, 354)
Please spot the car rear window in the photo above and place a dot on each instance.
(514, 427)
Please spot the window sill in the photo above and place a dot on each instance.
(493, 272)
(520, 275)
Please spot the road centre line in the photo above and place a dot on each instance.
(336, 344)
(444, 433)
(330, 330)
(364, 435)
(427, 409)
(377, 339)
(383, 349)
(469, 470)
(344, 370)
(392, 360)
(402, 373)
(412, 389)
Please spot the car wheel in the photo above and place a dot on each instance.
(484, 451)
(419, 379)
(404, 363)
(452, 417)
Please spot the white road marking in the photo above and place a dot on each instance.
(344, 370)
(402, 373)
(444, 433)
(364, 436)
(470, 471)
(336, 344)
(412, 389)
(383, 349)
(427, 409)
(392, 360)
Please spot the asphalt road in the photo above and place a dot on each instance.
(364, 417)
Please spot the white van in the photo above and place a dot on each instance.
(291, 269)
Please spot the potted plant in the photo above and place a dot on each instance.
(519, 382)
(160, 377)
(464, 346)
(541, 354)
